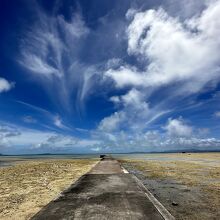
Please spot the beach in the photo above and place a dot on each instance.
(187, 184)
(29, 184)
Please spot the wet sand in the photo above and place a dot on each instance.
(188, 185)
(27, 186)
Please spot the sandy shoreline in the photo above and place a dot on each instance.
(27, 186)
(187, 185)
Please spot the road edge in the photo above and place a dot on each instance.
(161, 209)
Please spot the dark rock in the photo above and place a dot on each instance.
(174, 203)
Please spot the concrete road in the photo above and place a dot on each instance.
(104, 193)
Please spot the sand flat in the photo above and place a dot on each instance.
(190, 181)
(27, 186)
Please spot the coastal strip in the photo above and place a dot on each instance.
(106, 192)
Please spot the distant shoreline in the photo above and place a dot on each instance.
(83, 154)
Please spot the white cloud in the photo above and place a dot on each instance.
(133, 97)
(49, 52)
(15, 139)
(125, 76)
(134, 114)
(75, 28)
(178, 128)
(6, 134)
(217, 114)
(59, 142)
(6, 131)
(168, 50)
(131, 13)
(172, 51)
(152, 140)
(44, 46)
(112, 122)
(179, 57)
(5, 85)
(58, 122)
(113, 63)
(38, 65)
(176, 134)
(115, 99)
(28, 138)
(29, 119)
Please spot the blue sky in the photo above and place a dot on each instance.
(109, 76)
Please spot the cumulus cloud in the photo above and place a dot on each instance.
(134, 114)
(59, 142)
(174, 57)
(153, 141)
(177, 127)
(112, 122)
(6, 133)
(5, 85)
(173, 51)
(30, 140)
(126, 76)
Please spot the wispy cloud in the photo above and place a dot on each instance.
(49, 51)
(58, 122)
(29, 119)
(52, 119)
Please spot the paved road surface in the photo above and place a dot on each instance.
(106, 192)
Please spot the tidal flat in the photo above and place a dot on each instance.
(28, 185)
(187, 184)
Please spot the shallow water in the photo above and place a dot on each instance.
(4, 164)
(11, 160)
(172, 158)
(169, 157)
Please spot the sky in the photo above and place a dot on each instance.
(109, 76)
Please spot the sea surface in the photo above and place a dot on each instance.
(167, 157)
(210, 159)
(11, 160)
